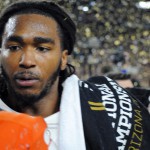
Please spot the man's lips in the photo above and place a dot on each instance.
(26, 83)
(26, 79)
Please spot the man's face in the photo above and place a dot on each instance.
(31, 54)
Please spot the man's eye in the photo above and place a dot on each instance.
(14, 48)
(43, 49)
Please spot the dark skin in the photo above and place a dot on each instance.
(31, 45)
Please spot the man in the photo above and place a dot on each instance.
(36, 79)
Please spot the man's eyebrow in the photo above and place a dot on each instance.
(15, 39)
(19, 39)
(43, 40)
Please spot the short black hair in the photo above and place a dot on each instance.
(47, 8)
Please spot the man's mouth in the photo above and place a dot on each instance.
(26, 80)
(26, 83)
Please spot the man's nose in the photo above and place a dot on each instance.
(27, 60)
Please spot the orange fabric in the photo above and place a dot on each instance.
(20, 131)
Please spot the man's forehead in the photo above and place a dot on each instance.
(31, 21)
(30, 17)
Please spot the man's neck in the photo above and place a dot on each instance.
(45, 107)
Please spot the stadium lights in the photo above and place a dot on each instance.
(85, 8)
(143, 5)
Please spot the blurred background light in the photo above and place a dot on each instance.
(85, 8)
(143, 5)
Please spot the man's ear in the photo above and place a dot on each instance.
(64, 59)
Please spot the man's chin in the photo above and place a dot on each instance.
(28, 93)
(27, 96)
(26, 99)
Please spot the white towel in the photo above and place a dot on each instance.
(71, 136)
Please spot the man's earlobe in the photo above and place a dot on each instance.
(64, 59)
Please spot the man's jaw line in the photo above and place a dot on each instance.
(25, 101)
